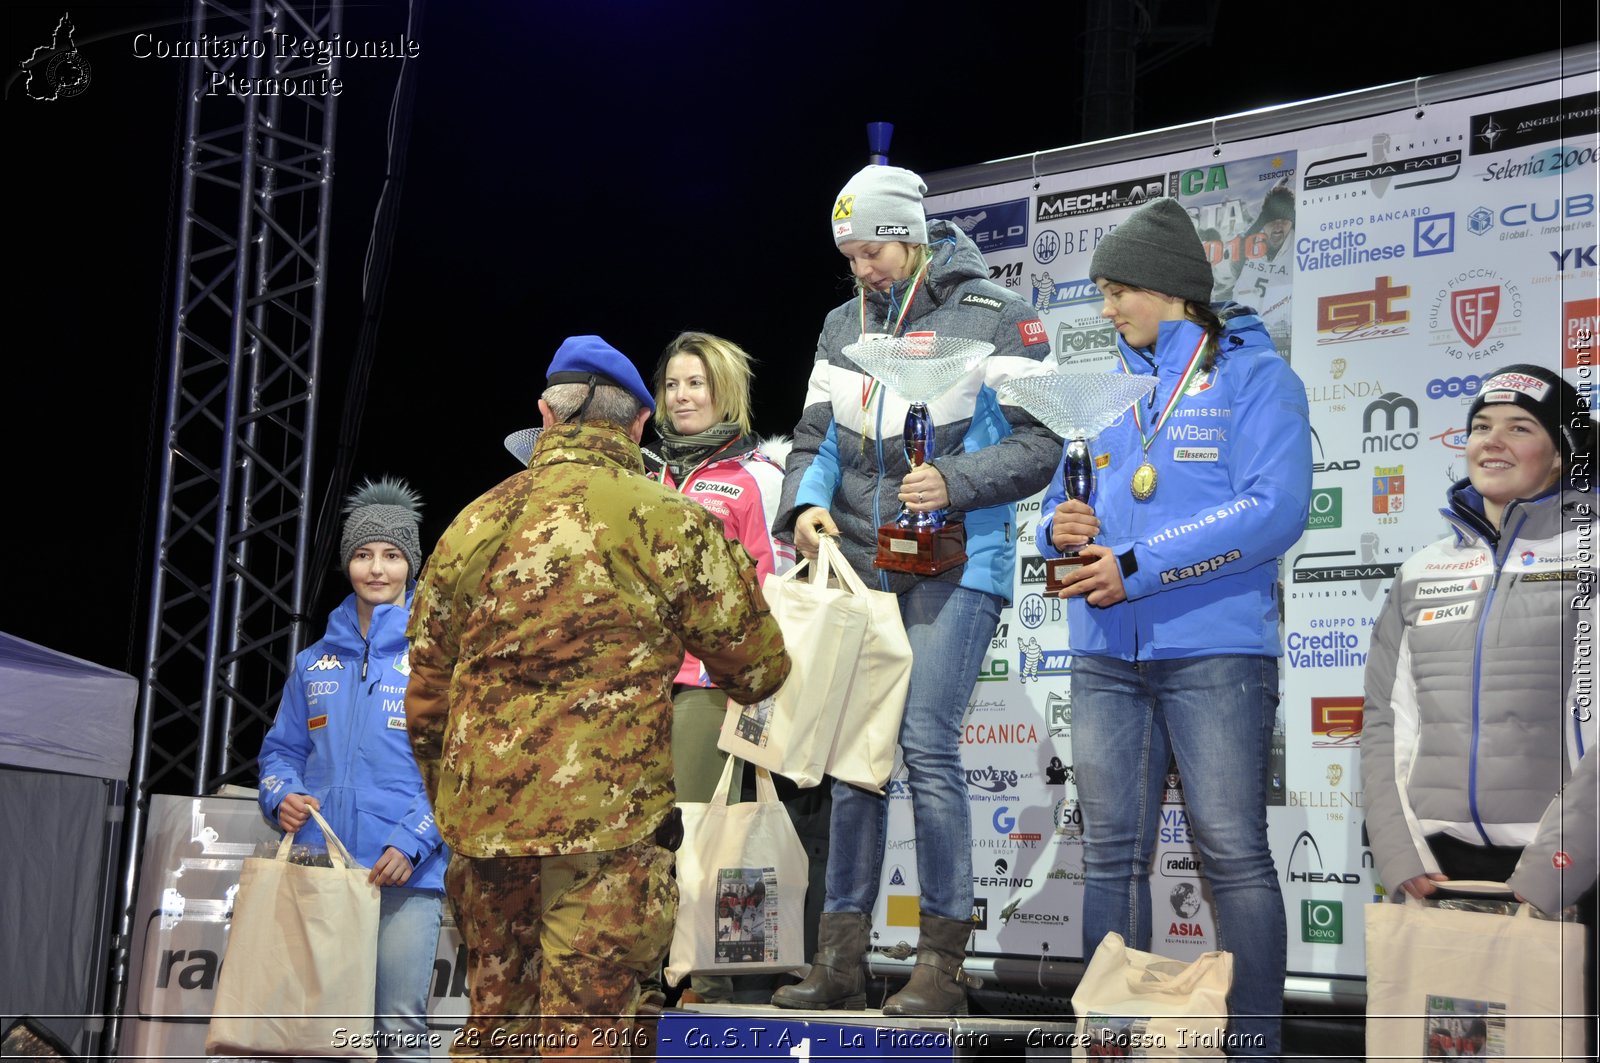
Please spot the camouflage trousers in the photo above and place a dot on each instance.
(556, 947)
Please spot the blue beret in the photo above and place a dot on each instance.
(579, 357)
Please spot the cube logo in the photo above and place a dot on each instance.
(1322, 922)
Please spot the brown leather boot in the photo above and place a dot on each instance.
(836, 979)
(937, 985)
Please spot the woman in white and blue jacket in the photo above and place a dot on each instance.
(847, 475)
(1173, 619)
(339, 745)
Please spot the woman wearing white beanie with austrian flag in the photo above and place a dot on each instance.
(848, 475)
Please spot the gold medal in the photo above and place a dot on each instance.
(1144, 482)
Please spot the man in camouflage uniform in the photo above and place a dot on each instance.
(545, 634)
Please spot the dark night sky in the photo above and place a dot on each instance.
(631, 169)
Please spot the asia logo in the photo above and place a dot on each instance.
(1337, 720)
(1389, 405)
(1388, 489)
(1185, 899)
(1363, 315)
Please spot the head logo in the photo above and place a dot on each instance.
(1337, 720)
(1305, 853)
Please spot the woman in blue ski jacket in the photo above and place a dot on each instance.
(1173, 619)
(339, 745)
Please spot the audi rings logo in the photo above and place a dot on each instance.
(321, 687)
(1453, 387)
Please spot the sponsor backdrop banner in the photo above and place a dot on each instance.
(1397, 259)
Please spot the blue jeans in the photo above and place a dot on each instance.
(950, 628)
(408, 939)
(1215, 714)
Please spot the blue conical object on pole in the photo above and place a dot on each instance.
(878, 136)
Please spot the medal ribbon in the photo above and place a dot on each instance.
(1189, 373)
(870, 386)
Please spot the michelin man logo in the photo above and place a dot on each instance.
(1032, 654)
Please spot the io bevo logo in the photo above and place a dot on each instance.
(1322, 922)
(1327, 508)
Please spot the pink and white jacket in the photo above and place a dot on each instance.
(739, 485)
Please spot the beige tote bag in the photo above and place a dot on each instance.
(863, 748)
(1138, 1004)
(299, 977)
(742, 878)
(792, 732)
(1449, 983)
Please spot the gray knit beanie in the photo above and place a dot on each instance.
(879, 204)
(1158, 249)
(388, 511)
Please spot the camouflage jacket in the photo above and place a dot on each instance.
(545, 633)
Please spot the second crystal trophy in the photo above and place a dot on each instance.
(1076, 407)
(920, 367)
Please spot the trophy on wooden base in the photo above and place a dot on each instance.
(919, 367)
(1076, 407)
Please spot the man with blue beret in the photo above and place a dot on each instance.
(545, 633)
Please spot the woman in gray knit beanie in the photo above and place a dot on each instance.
(1172, 620)
(339, 747)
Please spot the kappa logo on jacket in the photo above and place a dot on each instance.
(327, 662)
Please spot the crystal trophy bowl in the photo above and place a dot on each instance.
(1076, 407)
(919, 367)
